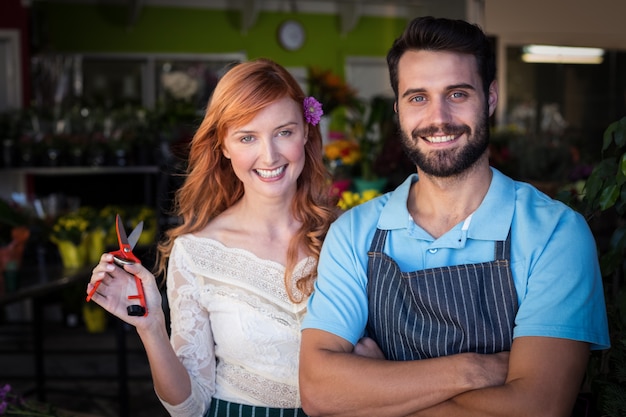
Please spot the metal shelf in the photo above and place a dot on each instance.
(81, 170)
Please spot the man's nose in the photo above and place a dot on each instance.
(439, 111)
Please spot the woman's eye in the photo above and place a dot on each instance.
(247, 139)
(284, 133)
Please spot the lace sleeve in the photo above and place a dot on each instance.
(191, 335)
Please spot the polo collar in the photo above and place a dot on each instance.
(491, 221)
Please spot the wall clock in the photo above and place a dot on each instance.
(291, 35)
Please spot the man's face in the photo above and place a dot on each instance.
(442, 111)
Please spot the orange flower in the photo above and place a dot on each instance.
(343, 150)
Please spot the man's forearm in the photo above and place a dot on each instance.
(544, 379)
(334, 381)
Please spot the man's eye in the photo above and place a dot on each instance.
(418, 98)
(458, 94)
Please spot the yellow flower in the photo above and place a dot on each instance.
(70, 227)
(351, 199)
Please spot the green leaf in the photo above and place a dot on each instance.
(609, 262)
(620, 132)
(618, 240)
(608, 197)
(620, 204)
(608, 136)
(619, 135)
(603, 173)
(606, 168)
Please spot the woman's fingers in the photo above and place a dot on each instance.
(111, 286)
(148, 281)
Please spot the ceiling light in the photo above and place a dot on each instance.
(562, 54)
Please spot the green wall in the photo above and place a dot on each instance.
(77, 28)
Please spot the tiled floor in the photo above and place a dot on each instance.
(81, 368)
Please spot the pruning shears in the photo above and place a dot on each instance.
(125, 256)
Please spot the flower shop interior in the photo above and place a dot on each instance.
(99, 98)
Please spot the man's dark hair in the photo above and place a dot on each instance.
(440, 34)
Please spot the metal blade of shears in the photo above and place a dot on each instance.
(134, 235)
(122, 238)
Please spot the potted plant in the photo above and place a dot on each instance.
(370, 123)
(68, 233)
(603, 203)
(330, 89)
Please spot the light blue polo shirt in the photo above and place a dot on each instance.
(553, 259)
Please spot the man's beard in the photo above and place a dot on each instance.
(448, 162)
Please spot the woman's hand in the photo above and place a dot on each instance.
(116, 284)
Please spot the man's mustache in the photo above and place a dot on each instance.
(445, 129)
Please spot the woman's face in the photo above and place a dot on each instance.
(267, 154)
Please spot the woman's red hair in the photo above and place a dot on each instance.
(211, 186)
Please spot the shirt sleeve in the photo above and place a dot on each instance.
(563, 294)
(339, 303)
(191, 336)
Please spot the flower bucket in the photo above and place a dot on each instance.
(95, 318)
(95, 244)
(72, 256)
(362, 185)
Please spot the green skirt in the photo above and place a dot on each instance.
(220, 408)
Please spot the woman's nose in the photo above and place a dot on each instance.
(269, 151)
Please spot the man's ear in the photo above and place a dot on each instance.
(493, 97)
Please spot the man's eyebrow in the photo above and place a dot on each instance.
(462, 86)
(413, 91)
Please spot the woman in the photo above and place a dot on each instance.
(255, 208)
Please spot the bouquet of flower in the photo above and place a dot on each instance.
(343, 151)
(12, 405)
(369, 123)
(340, 156)
(70, 227)
(180, 85)
(329, 88)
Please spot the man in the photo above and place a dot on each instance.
(455, 265)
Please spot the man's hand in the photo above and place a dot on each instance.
(369, 348)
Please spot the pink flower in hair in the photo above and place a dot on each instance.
(312, 110)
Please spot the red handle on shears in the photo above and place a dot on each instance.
(125, 256)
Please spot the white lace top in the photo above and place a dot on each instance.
(233, 326)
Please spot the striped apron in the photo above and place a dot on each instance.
(440, 311)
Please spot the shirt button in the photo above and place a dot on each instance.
(432, 250)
